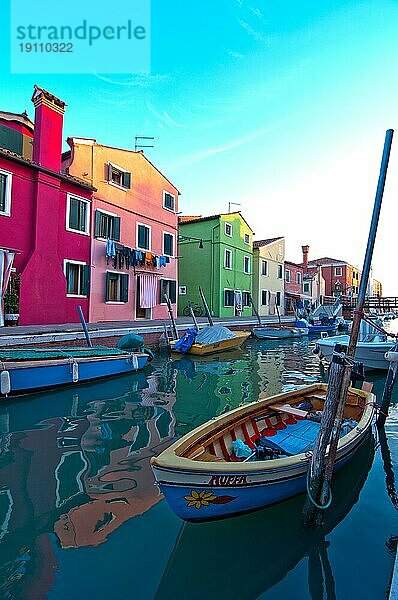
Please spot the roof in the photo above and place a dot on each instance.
(261, 243)
(19, 118)
(188, 219)
(30, 163)
(289, 262)
(326, 261)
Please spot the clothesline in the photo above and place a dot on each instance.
(123, 255)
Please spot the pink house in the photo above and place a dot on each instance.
(45, 215)
(134, 227)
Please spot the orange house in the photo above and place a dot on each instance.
(134, 232)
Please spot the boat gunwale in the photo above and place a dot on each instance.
(60, 361)
(171, 461)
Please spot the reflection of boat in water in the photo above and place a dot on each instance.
(203, 477)
(242, 558)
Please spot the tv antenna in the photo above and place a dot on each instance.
(232, 204)
(139, 146)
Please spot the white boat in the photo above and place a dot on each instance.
(278, 333)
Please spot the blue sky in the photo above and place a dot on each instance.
(280, 106)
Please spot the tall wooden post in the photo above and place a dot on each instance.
(320, 485)
(208, 315)
(388, 388)
(255, 309)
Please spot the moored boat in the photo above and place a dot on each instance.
(371, 352)
(278, 333)
(32, 369)
(202, 478)
(209, 341)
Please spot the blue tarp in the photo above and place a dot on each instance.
(185, 342)
(212, 335)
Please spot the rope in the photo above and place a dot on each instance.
(377, 327)
(320, 506)
(347, 359)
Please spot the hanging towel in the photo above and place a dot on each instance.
(163, 261)
(157, 265)
(110, 249)
(148, 290)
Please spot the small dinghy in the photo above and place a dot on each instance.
(209, 341)
(278, 333)
(255, 455)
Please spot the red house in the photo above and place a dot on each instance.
(44, 215)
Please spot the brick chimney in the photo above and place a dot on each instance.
(305, 250)
(47, 137)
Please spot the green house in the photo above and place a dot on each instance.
(216, 253)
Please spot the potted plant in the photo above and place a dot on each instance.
(11, 301)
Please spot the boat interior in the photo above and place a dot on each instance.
(271, 430)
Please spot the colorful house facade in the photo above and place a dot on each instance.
(216, 253)
(268, 275)
(340, 277)
(52, 259)
(133, 229)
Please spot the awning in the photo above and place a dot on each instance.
(6, 260)
(148, 290)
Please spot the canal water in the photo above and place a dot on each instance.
(81, 518)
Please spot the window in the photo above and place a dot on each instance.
(77, 278)
(287, 275)
(228, 259)
(228, 229)
(306, 287)
(5, 193)
(168, 244)
(143, 237)
(278, 298)
(264, 268)
(229, 298)
(77, 214)
(247, 238)
(280, 271)
(246, 298)
(264, 297)
(298, 278)
(338, 271)
(168, 287)
(246, 265)
(168, 201)
(119, 176)
(107, 225)
(117, 287)
(182, 290)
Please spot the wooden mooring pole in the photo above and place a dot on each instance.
(208, 315)
(255, 309)
(322, 466)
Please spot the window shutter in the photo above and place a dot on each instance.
(97, 231)
(108, 278)
(82, 215)
(109, 172)
(172, 289)
(86, 280)
(124, 291)
(116, 229)
(73, 213)
(126, 179)
(162, 299)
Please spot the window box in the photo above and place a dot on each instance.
(117, 287)
(5, 193)
(169, 201)
(77, 214)
(118, 176)
(107, 225)
(168, 244)
(143, 237)
(77, 278)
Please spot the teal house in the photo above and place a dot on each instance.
(216, 253)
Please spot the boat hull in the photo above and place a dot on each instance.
(274, 333)
(368, 353)
(222, 346)
(28, 377)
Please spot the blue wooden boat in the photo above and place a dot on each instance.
(29, 370)
(202, 478)
(329, 326)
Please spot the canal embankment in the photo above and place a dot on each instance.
(108, 333)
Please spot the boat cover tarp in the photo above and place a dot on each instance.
(58, 352)
(186, 340)
(130, 341)
(212, 335)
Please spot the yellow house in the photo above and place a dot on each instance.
(268, 276)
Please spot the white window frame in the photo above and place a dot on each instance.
(299, 279)
(245, 305)
(340, 273)
(244, 265)
(88, 213)
(163, 302)
(229, 305)
(150, 237)
(225, 259)
(73, 262)
(174, 241)
(244, 238)
(111, 214)
(306, 284)
(116, 185)
(225, 229)
(287, 276)
(115, 273)
(264, 262)
(174, 201)
(7, 209)
(280, 267)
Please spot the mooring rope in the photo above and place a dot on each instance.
(330, 497)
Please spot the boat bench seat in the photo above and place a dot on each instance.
(208, 457)
(285, 408)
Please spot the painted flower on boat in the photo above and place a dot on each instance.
(203, 498)
(199, 499)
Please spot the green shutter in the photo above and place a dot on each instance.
(116, 229)
(172, 288)
(126, 179)
(161, 290)
(73, 214)
(82, 215)
(86, 280)
(124, 288)
(97, 231)
(3, 183)
(108, 278)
